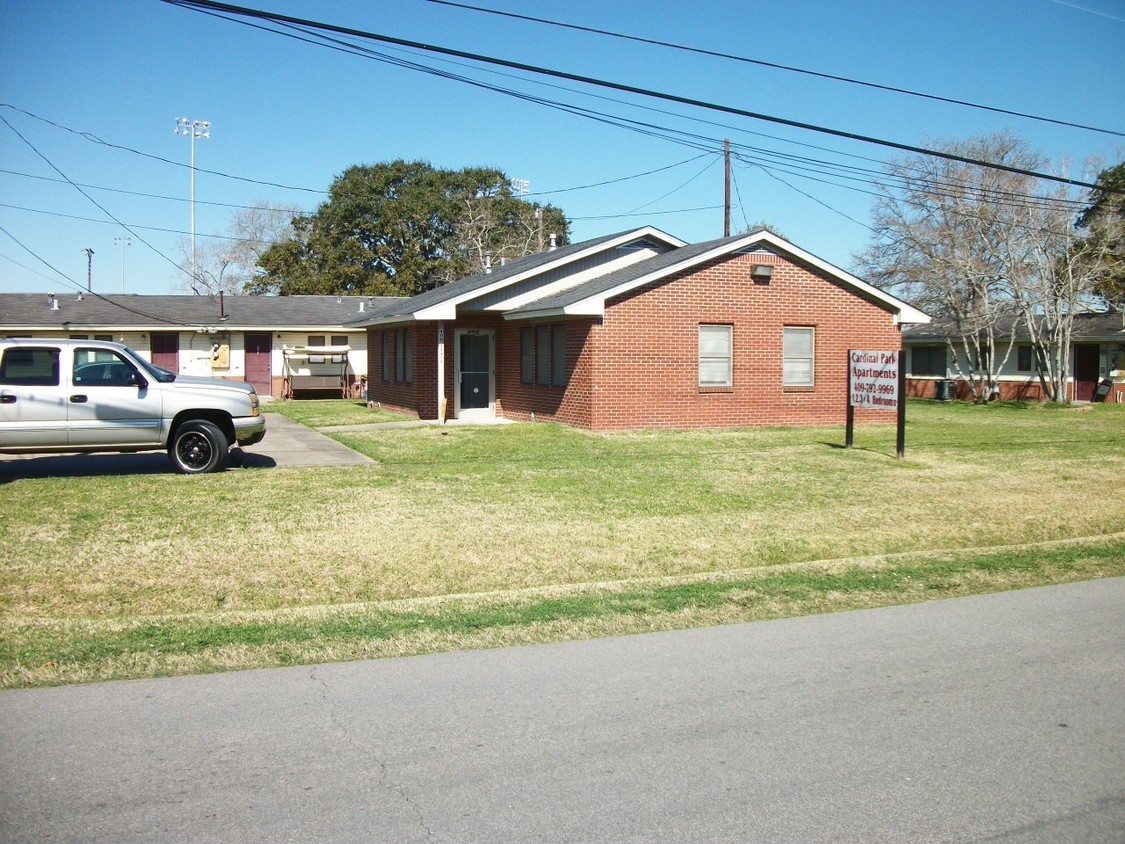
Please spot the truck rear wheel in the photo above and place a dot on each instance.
(197, 447)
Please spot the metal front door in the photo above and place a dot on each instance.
(1086, 368)
(259, 366)
(166, 350)
(474, 361)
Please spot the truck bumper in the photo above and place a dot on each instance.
(249, 430)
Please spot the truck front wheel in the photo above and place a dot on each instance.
(198, 446)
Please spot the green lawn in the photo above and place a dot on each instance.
(480, 536)
(323, 413)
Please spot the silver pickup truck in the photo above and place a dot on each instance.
(92, 395)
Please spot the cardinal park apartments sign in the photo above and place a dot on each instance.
(873, 379)
(877, 380)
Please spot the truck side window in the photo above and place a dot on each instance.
(99, 368)
(21, 366)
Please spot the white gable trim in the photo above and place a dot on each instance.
(633, 256)
(448, 308)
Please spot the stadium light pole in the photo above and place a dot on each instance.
(122, 242)
(193, 129)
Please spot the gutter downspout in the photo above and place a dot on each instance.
(441, 400)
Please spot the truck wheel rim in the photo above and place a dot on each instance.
(194, 451)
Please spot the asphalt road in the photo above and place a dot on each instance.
(998, 718)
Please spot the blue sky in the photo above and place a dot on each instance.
(114, 74)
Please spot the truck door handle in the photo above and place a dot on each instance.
(7, 399)
(78, 399)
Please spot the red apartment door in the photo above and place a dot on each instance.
(1086, 361)
(259, 362)
(166, 350)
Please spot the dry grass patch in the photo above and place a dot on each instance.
(491, 510)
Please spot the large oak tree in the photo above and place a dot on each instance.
(402, 227)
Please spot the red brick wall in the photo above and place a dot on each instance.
(1026, 389)
(571, 405)
(419, 396)
(399, 396)
(646, 349)
(637, 367)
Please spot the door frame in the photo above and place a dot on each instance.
(474, 412)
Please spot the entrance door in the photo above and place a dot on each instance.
(166, 350)
(1086, 362)
(475, 384)
(259, 362)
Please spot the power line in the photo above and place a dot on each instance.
(649, 213)
(620, 179)
(676, 189)
(130, 226)
(68, 280)
(96, 204)
(759, 62)
(92, 138)
(130, 192)
(209, 7)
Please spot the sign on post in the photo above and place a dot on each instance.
(877, 380)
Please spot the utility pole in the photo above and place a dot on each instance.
(89, 268)
(726, 187)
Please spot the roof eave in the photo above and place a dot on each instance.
(901, 312)
(448, 308)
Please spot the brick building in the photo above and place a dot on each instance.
(938, 364)
(636, 330)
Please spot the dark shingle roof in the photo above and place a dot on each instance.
(34, 310)
(469, 284)
(1105, 326)
(601, 284)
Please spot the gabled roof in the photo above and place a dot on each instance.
(1108, 326)
(79, 312)
(442, 302)
(589, 298)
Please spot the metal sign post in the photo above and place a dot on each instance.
(877, 380)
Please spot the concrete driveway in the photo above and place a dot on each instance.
(286, 444)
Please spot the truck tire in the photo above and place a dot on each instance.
(197, 447)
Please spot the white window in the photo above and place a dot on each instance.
(715, 347)
(797, 366)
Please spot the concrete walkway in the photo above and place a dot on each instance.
(289, 443)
